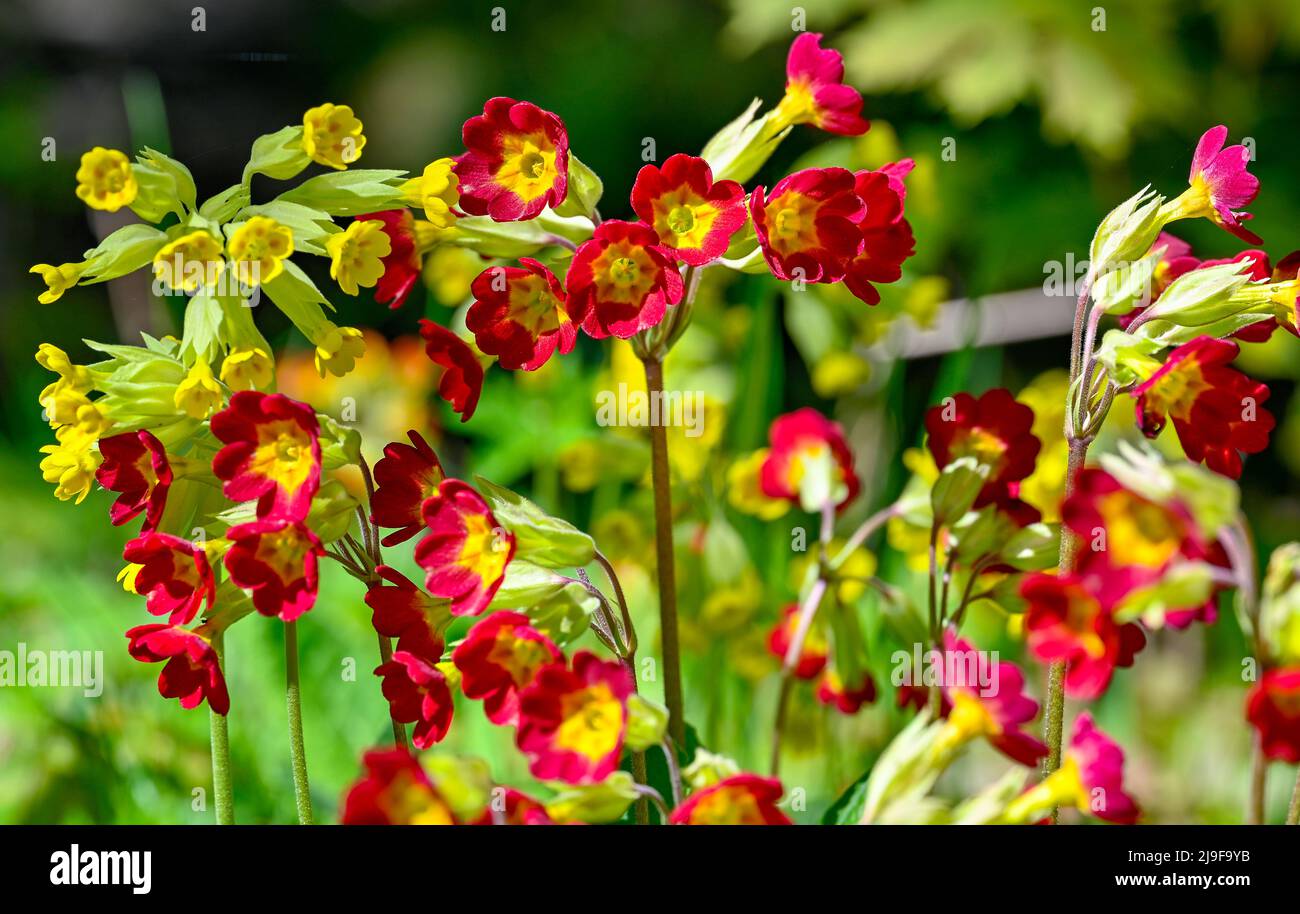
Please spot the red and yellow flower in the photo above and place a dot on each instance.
(815, 92)
(174, 575)
(395, 791)
(516, 161)
(417, 693)
(135, 465)
(1091, 778)
(742, 799)
(403, 611)
(887, 238)
(275, 558)
(272, 453)
(462, 375)
(466, 551)
(807, 227)
(1273, 708)
(519, 315)
(833, 692)
(1219, 186)
(405, 476)
(621, 281)
(572, 719)
(693, 215)
(402, 262)
(499, 658)
(816, 649)
(995, 430)
(515, 808)
(192, 670)
(809, 462)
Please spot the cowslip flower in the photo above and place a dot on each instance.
(572, 719)
(337, 348)
(58, 279)
(436, 191)
(258, 249)
(394, 791)
(745, 490)
(815, 92)
(190, 262)
(1273, 708)
(516, 161)
(357, 254)
(199, 393)
(621, 281)
(887, 238)
(402, 263)
(192, 670)
(1219, 186)
(742, 799)
(332, 135)
(174, 575)
(833, 692)
(809, 462)
(405, 476)
(466, 551)
(500, 657)
(1091, 778)
(519, 315)
(807, 227)
(136, 466)
(275, 558)
(248, 369)
(996, 430)
(816, 649)
(462, 375)
(272, 452)
(693, 215)
(1217, 411)
(417, 693)
(401, 610)
(70, 463)
(105, 180)
(513, 807)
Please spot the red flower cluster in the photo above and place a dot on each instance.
(996, 431)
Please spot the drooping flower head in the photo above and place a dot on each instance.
(815, 92)
(887, 238)
(394, 791)
(272, 452)
(175, 575)
(58, 279)
(1217, 410)
(466, 551)
(331, 135)
(499, 658)
(135, 465)
(572, 719)
(417, 693)
(1091, 778)
(693, 215)
(63, 398)
(809, 462)
(995, 430)
(519, 315)
(405, 476)
(258, 250)
(816, 649)
(403, 611)
(462, 375)
(1273, 708)
(359, 253)
(276, 559)
(199, 393)
(621, 281)
(516, 161)
(249, 368)
(807, 227)
(192, 672)
(742, 799)
(71, 462)
(402, 263)
(1219, 185)
(189, 262)
(105, 180)
(847, 698)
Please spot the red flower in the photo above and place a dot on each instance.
(276, 559)
(192, 672)
(831, 691)
(175, 575)
(516, 163)
(1220, 185)
(572, 720)
(498, 658)
(462, 376)
(1098, 763)
(405, 476)
(809, 462)
(417, 693)
(742, 799)
(402, 265)
(519, 315)
(1273, 708)
(514, 808)
(395, 791)
(1216, 409)
(272, 453)
(406, 612)
(995, 710)
(621, 281)
(815, 92)
(808, 227)
(887, 238)
(135, 464)
(995, 430)
(466, 551)
(815, 649)
(693, 216)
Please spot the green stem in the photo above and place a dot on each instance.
(222, 796)
(1258, 782)
(293, 704)
(1293, 814)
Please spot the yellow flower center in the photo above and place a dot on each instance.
(592, 722)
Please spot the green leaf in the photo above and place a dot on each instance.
(277, 155)
(540, 539)
(348, 193)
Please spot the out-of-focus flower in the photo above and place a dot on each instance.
(516, 161)
(1091, 778)
(190, 262)
(816, 649)
(337, 348)
(192, 670)
(199, 393)
(436, 191)
(174, 575)
(621, 281)
(1046, 396)
(995, 430)
(809, 462)
(807, 227)
(887, 238)
(135, 465)
(448, 272)
(405, 476)
(1219, 186)
(57, 279)
(838, 373)
(402, 263)
(462, 375)
(331, 135)
(276, 559)
(272, 452)
(417, 693)
(1273, 708)
(358, 252)
(258, 250)
(105, 181)
(248, 369)
(466, 551)
(693, 215)
(515, 808)
(847, 699)
(499, 658)
(394, 791)
(519, 315)
(745, 492)
(730, 608)
(572, 719)
(815, 92)
(742, 799)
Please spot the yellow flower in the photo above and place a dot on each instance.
(258, 249)
(745, 494)
(57, 279)
(580, 465)
(199, 394)
(63, 398)
(851, 577)
(357, 255)
(727, 609)
(695, 427)
(248, 369)
(1046, 395)
(105, 181)
(337, 349)
(449, 271)
(436, 192)
(191, 261)
(71, 463)
(331, 135)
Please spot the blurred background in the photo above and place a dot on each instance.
(1028, 121)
